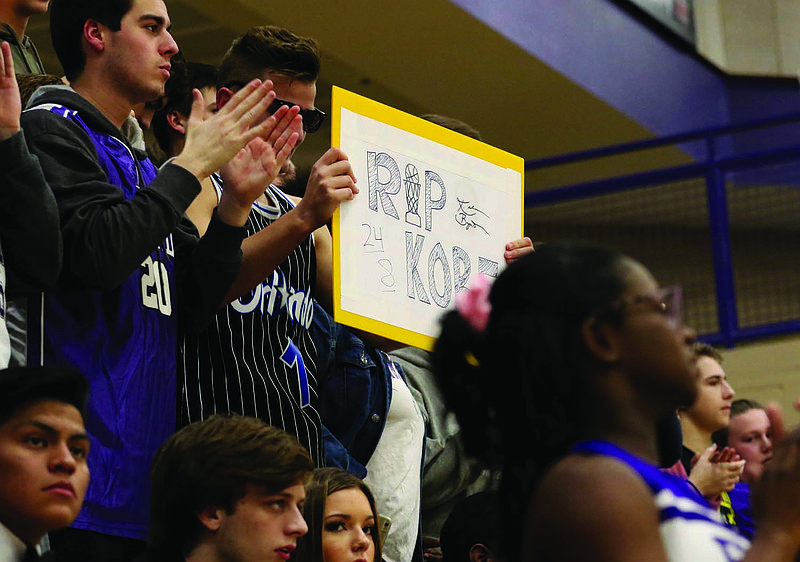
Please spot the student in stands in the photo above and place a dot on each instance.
(342, 520)
(269, 309)
(130, 261)
(712, 409)
(30, 241)
(43, 451)
(581, 353)
(471, 533)
(717, 471)
(14, 18)
(169, 123)
(749, 433)
(228, 488)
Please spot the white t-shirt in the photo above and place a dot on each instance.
(394, 472)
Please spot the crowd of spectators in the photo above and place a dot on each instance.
(167, 329)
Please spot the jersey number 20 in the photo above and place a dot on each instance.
(155, 287)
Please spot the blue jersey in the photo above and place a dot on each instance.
(690, 529)
(125, 341)
(736, 511)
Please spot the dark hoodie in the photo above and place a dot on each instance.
(133, 267)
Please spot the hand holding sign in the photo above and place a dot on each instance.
(332, 181)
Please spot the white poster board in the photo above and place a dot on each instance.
(435, 209)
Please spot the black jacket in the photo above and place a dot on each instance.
(29, 233)
(105, 236)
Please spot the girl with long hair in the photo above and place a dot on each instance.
(561, 376)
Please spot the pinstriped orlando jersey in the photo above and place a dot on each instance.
(257, 357)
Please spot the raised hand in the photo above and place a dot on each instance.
(332, 181)
(210, 144)
(248, 173)
(10, 104)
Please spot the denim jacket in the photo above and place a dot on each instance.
(355, 392)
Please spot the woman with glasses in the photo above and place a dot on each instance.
(563, 374)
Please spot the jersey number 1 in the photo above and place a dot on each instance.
(291, 358)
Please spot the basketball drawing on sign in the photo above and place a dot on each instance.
(412, 195)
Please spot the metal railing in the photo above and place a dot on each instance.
(724, 158)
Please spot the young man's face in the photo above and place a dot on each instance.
(137, 57)
(712, 409)
(750, 434)
(43, 471)
(263, 527)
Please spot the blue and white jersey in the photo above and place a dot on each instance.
(690, 529)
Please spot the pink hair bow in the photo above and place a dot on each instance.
(473, 304)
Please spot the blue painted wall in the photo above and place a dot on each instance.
(610, 53)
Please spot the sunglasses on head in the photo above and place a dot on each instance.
(312, 118)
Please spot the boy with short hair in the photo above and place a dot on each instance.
(711, 410)
(258, 357)
(228, 488)
(750, 435)
(43, 450)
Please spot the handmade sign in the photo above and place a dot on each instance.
(435, 208)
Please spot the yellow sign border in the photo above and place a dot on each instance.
(344, 99)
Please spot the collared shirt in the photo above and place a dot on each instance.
(12, 549)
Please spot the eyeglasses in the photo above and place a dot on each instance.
(669, 301)
(312, 118)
